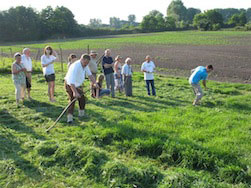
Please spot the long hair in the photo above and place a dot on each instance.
(100, 79)
(49, 48)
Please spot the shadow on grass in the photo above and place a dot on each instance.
(10, 122)
(47, 110)
(11, 148)
(240, 107)
(137, 103)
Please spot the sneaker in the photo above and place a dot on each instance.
(81, 113)
(69, 118)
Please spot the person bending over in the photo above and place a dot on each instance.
(74, 79)
(198, 74)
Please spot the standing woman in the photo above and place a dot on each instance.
(117, 74)
(18, 76)
(47, 60)
(27, 63)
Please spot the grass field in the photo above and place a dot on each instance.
(140, 141)
(164, 38)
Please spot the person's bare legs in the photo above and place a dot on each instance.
(52, 89)
(49, 89)
(23, 87)
(29, 93)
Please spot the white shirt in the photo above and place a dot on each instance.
(93, 65)
(76, 74)
(26, 61)
(126, 70)
(50, 68)
(148, 66)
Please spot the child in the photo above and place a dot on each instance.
(99, 92)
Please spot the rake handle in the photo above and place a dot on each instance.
(66, 108)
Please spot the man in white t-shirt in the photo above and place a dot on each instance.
(27, 63)
(74, 79)
(148, 67)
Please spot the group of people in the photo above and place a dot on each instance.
(118, 77)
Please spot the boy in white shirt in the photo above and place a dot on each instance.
(74, 79)
(148, 67)
(27, 63)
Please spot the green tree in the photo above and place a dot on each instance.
(170, 23)
(209, 20)
(228, 13)
(214, 17)
(238, 19)
(131, 19)
(154, 21)
(248, 15)
(191, 12)
(19, 24)
(115, 22)
(201, 22)
(177, 10)
(95, 23)
(58, 22)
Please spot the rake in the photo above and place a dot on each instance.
(60, 116)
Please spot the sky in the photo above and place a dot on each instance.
(104, 9)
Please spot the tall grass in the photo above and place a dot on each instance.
(135, 141)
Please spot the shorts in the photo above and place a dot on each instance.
(28, 84)
(50, 78)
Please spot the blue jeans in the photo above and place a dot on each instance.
(148, 83)
(103, 92)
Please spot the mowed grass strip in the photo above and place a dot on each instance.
(140, 141)
(164, 38)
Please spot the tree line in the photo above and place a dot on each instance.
(26, 24)
(179, 17)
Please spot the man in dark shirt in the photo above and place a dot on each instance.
(107, 64)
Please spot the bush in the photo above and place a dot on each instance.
(216, 27)
(248, 27)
